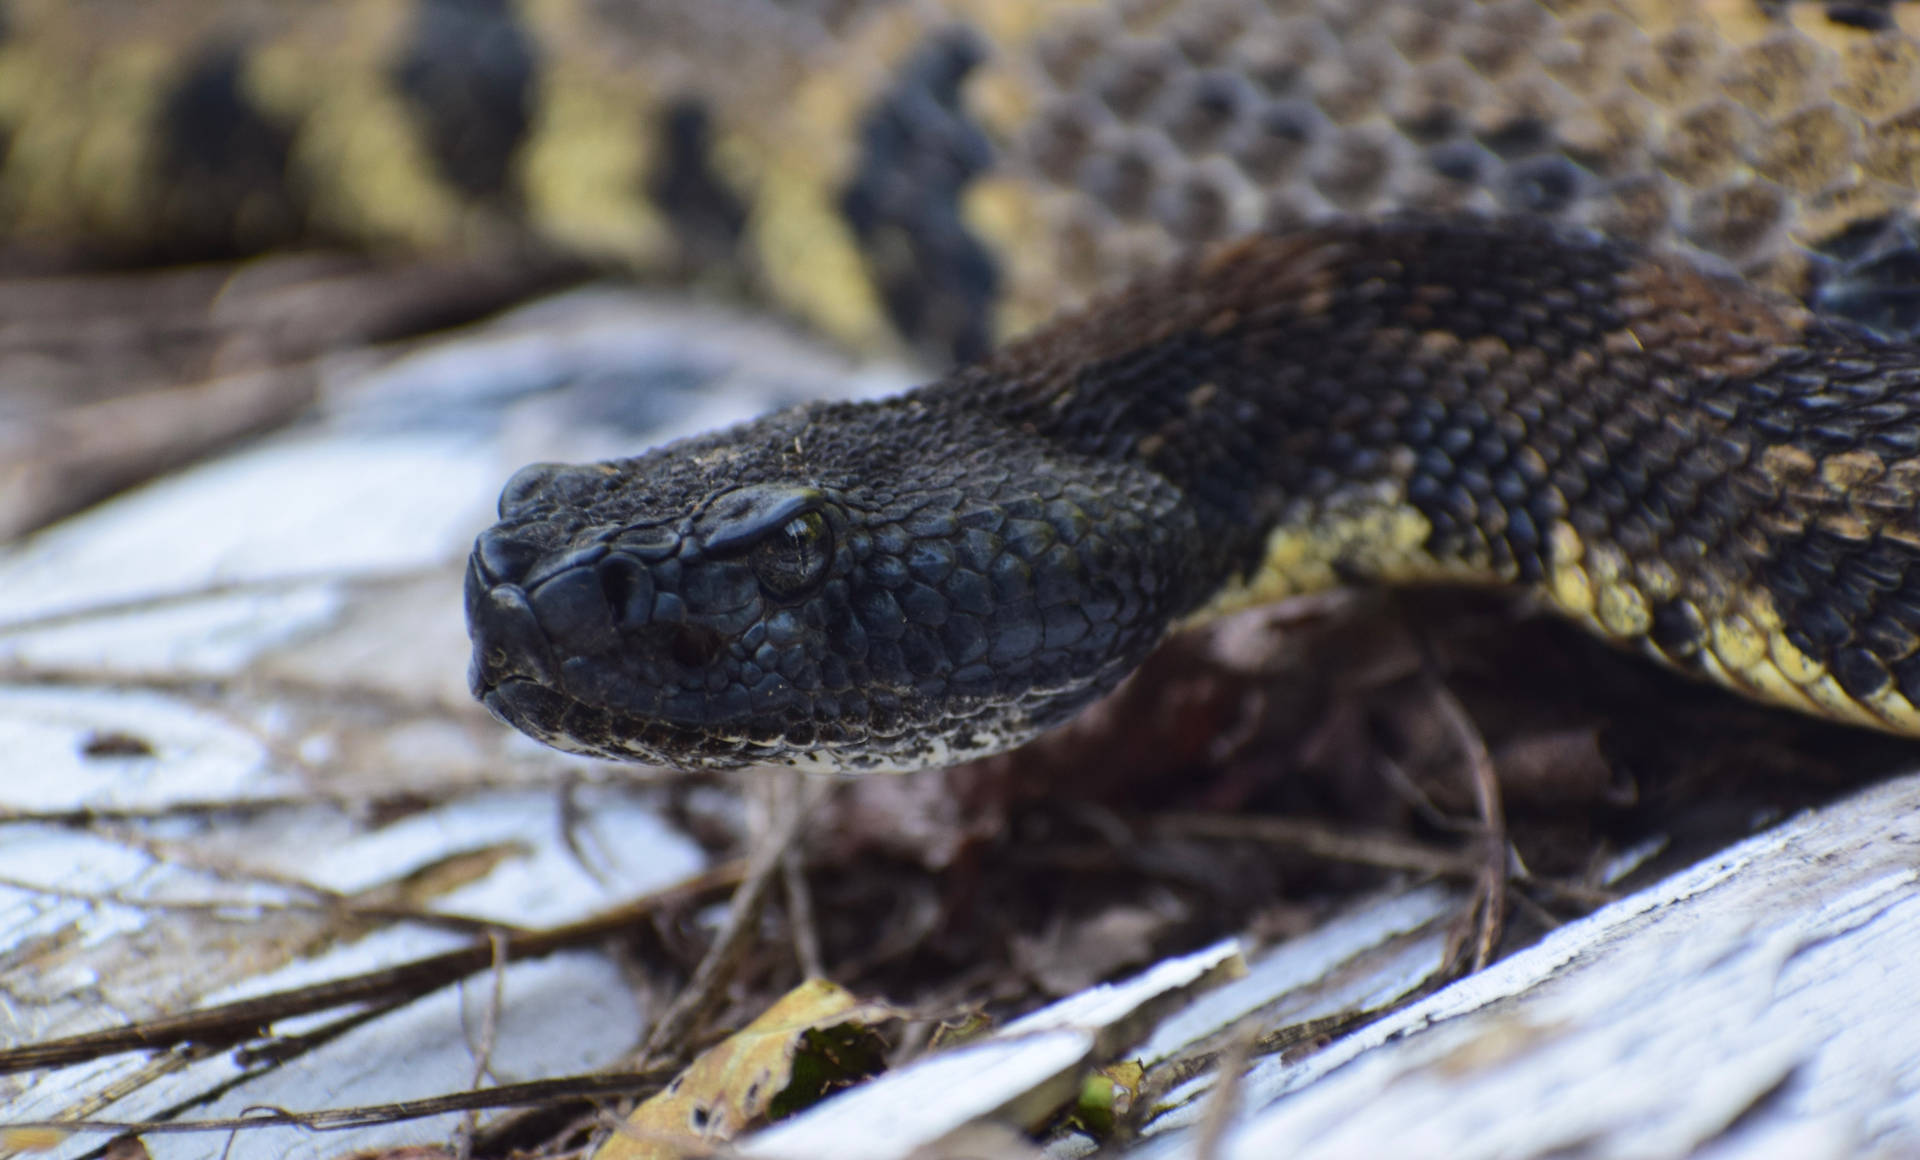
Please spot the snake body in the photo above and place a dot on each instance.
(1667, 391)
(943, 174)
(1680, 462)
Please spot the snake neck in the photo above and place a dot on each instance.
(1409, 401)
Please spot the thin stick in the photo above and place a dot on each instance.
(1490, 887)
(1224, 1101)
(243, 1020)
(1331, 843)
(736, 934)
(806, 937)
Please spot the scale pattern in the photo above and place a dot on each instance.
(1695, 438)
(945, 173)
(1682, 464)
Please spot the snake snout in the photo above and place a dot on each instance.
(529, 608)
(508, 644)
(606, 622)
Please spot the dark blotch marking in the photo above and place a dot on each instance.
(468, 70)
(103, 744)
(1871, 275)
(1907, 675)
(226, 184)
(1827, 587)
(1872, 17)
(707, 216)
(1860, 672)
(918, 152)
(1677, 629)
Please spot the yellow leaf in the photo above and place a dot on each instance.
(32, 1139)
(813, 1041)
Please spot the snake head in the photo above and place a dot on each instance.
(793, 593)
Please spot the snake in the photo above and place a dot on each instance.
(1609, 301)
(1681, 463)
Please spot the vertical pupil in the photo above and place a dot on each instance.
(794, 556)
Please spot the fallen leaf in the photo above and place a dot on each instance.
(32, 1139)
(814, 1041)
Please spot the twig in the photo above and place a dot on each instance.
(1548, 920)
(247, 1018)
(1490, 886)
(1224, 1100)
(515, 1095)
(806, 937)
(573, 823)
(483, 1051)
(729, 947)
(1409, 790)
(1332, 843)
(323, 902)
(1165, 1077)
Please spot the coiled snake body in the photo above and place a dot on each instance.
(1679, 462)
(1679, 459)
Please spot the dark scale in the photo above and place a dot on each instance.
(1281, 135)
(1135, 75)
(1546, 185)
(1848, 603)
(1206, 108)
(909, 581)
(1518, 137)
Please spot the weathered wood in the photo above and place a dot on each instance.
(235, 741)
(236, 747)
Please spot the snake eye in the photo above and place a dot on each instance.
(794, 558)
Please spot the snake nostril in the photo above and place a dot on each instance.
(694, 647)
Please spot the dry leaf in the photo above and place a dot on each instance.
(815, 1040)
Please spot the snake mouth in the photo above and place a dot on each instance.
(553, 718)
(521, 703)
